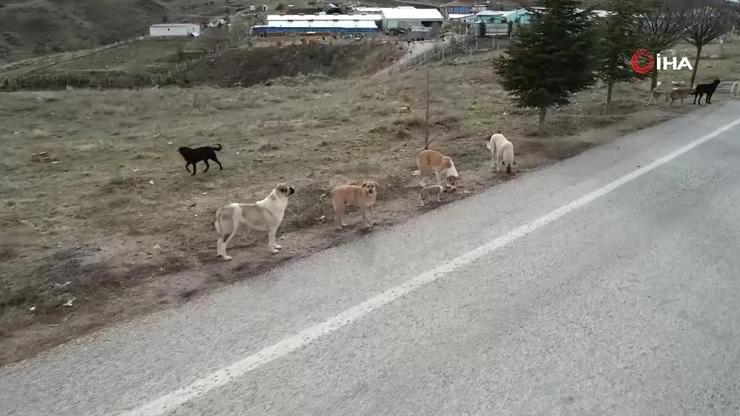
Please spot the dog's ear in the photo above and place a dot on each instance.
(283, 189)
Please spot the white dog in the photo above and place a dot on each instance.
(502, 152)
(734, 90)
(265, 215)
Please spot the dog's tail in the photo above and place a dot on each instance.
(219, 147)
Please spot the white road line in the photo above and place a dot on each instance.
(219, 378)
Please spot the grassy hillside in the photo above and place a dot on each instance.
(31, 28)
(36, 27)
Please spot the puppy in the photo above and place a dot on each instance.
(433, 162)
(193, 156)
(264, 215)
(363, 196)
(502, 152)
(707, 89)
(680, 94)
(430, 191)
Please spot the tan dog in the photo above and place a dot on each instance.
(264, 215)
(502, 152)
(656, 93)
(433, 162)
(428, 192)
(680, 94)
(363, 196)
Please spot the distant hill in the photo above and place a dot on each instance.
(35, 27)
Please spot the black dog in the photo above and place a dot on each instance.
(193, 156)
(707, 89)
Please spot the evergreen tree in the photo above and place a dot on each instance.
(551, 59)
(617, 40)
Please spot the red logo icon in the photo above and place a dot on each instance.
(642, 61)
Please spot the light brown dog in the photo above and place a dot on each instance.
(655, 94)
(362, 196)
(433, 162)
(680, 94)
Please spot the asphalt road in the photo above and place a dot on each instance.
(604, 285)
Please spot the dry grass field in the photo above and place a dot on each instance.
(113, 225)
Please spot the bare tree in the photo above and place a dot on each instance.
(705, 23)
(660, 27)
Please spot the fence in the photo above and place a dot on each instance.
(456, 46)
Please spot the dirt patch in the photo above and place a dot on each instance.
(120, 228)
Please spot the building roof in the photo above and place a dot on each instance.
(322, 24)
(490, 13)
(175, 25)
(367, 9)
(331, 17)
(411, 13)
(453, 16)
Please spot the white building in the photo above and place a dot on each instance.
(174, 29)
(324, 17)
(405, 17)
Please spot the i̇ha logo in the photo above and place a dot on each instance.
(643, 62)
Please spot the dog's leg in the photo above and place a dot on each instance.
(219, 163)
(363, 211)
(226, 241)
(339, 216)
(367, 213)
(493, 156)
(207, 166)
(194, 167)
(271, 244)
(421, 197)
(187, 167)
